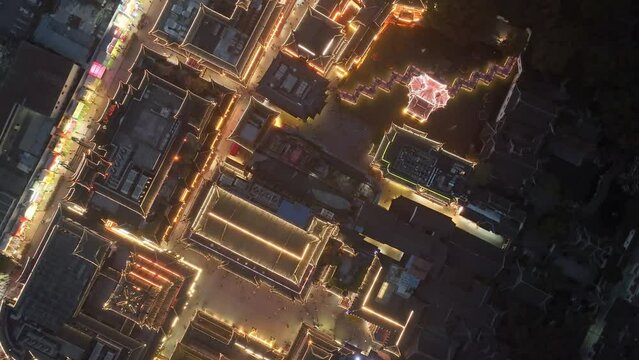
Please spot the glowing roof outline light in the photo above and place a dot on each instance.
(386, 163)
(401, 334)
(151, 272)
(76, 208)
(259, 238)
(429, 89)
(156, 264)
(198, 272)
(292, 278)
(125, 234)
(251, 269)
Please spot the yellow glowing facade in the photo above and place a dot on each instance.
(385, 321)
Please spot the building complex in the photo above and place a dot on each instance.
(223, 35)
(410, 158)
(258, 243)
(110, 300)
(205, 212)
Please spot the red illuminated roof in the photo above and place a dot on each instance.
(430, 90)
(426, 95)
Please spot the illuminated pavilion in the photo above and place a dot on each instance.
(145, 292)
(425, 96)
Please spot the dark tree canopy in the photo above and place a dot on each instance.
(464, 21)
(589, 45)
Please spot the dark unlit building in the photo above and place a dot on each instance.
(291, 85)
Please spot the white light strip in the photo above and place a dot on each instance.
(259, 238)
(306, 49)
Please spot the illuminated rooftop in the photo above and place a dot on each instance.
(368, 22)
(312, 344)
(327, 7)
(145, 291)
(316, 38)
(263, 195)
(61, 276)
(292, 86)
(257, 241)
(411, 158)
(63, 311)
(426, 95)
(151, 145)
(205, 338)
(209, 337)
(442, 238)
(144, 137)
(381, 304)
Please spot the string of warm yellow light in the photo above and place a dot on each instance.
(259, 238)
(143, 279)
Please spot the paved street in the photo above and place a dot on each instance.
(239, 301)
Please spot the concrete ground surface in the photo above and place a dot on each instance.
(273, 316)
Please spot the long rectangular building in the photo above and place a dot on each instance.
(256, 243)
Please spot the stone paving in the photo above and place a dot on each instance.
(273, 316)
